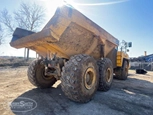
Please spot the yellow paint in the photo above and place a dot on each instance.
(51, 37)
(120, 57)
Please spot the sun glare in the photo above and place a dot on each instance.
(59, 3)
(51, 6)
(56, 3)
(53, 3)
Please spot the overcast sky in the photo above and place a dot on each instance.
(129, 20)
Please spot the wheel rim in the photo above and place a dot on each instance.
(108, 75)
(89, 78)
(45, 76)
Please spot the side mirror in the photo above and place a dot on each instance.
(130, 44)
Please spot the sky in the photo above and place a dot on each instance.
(129, 20)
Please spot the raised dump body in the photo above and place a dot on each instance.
(68, 32)
(75, 50)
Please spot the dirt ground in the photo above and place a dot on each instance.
(131, 97)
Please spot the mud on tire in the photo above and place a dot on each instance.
(105, 74)
(79, 79)
(36, 75)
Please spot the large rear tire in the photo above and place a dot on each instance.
(122, 73)
(79, 79)
(105, 74)
(36, 75)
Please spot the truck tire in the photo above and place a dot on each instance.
(105, 74)
(122, 73)
(79, 79)
(36, 75)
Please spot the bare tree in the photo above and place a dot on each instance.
(1, 35)
(28, 16)
(6, 20)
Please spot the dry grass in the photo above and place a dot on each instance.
(14, 61)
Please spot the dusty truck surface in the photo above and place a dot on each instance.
(75, 50)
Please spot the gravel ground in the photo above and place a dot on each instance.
(130, 97)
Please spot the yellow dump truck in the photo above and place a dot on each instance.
(75, 50)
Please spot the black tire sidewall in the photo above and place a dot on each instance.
(35, 75)
(121, 72)
(39, 75)
(85, 65)
(104, 64)
(124, 72)
(72, 80)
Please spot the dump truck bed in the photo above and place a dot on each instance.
(68, 33)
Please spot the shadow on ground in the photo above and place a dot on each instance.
(130, 97)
